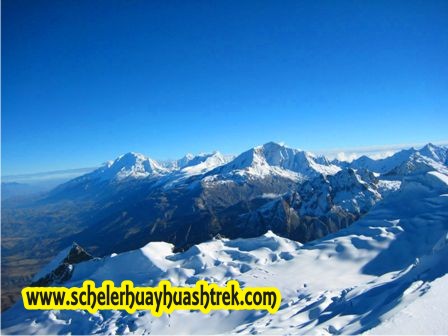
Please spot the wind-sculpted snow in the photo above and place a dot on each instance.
(348, 282)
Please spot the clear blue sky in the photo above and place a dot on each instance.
(84, 81)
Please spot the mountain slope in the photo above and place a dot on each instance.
(130, 165)
(386, 264)
(315, 208)
(134, 200)
(438, 154)
(275, 159)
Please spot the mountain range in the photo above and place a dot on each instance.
(353, 247)
(294, 193)
(133, 200)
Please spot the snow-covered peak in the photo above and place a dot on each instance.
(203, 163)
(346, 189)
(130, 165)
(395, 254)
(347, 179)
(185, 160)
(437, 153)
(284, 157)
(190, 160)
(61, 267)
(383, 165)
(191, 164)
(274, 158)
(417, 163)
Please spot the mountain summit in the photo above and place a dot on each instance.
(130, 165)
(276, 159)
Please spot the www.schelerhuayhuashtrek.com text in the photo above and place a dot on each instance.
(163, 298)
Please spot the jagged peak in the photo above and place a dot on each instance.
(208, 159)
(274, 158)
(130, 165)
(61, 267)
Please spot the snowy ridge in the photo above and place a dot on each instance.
(276, 159)
(417, 164)
(438, 154)
(347, 190)
(270, 159)
(203, 163)
(387, 267)
(130, 165)
(387, 252)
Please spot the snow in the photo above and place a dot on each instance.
(389, 266)
(130, 165)
(384, 274)
(52, 264)
(191, 165)
(388, 185)
(270, 159)
(270, 195)
(440, 176)
(204, 163)
(424, 316)
(275, 159)
(136, 166)
(436, 155)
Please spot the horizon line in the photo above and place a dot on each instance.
(325, 152)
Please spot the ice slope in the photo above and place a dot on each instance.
(349, 282)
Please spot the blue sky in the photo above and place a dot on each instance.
(84, 81)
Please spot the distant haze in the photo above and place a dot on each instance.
(349, 154)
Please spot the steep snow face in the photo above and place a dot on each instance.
(346, 190)
(382, 165)
(203, 163)
(60, 269)
(392, 260)
(190, 166)
(130, 165)
(212, 160)
(416, 164)
(275, 159)
(137, 166)
(318, 207)
(355, 192)
(438, 154)
(184, 161)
